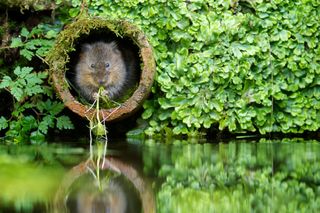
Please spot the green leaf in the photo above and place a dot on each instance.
(64, 122)
(147, 113)
(55, 108)
(73, 12)
(236, 51)
(27, 54)
(22, 72)
(17, 93)
(284, 35)
(51, 34)
(27, 123)
(25, 32)
(37, 137)
(3, 123)
(16, 42)
(6, 82)
(52, 107)
(33, 90)
(47, 121)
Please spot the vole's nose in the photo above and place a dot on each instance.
(101, 82)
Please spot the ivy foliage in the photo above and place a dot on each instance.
(277, 175)
(236, 65)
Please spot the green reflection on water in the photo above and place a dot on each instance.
(270, 176)
(24, 184)
(239, 176)
(30, 175)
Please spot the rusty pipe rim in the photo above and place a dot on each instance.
(58, 59)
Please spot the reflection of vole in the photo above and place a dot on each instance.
(116, 195)
(102, 64)
(111, 199)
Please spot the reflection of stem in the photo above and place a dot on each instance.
(90, 133)
(98, 172)
(99, 125)
(105, 151)
(141, 184)
(92, 172)
(114, 165)
(106, 141)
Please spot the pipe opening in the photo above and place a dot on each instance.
(125, 41)
(123, 81)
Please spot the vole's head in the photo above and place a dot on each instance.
(104, 62)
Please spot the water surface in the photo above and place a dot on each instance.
(238, 176)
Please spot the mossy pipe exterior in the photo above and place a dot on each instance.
(37, 5)
(58, 58)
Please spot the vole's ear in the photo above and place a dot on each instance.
(114, 47)
(85, 47)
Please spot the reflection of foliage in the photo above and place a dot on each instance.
(30, 175)
(240, 177)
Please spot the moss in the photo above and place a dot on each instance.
(107, 103)
(27, 4)
(66, 45)
(58, 57)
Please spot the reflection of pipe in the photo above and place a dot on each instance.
(111, 197)
(112, 164)
(145, 191)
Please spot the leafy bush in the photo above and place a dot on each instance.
(240, 65)
(34, 109)
(31, 44)
(29, 92)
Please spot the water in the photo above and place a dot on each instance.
(238, 176)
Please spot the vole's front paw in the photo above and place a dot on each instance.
(95, 95)
(104, 93)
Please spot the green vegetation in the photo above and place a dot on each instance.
(240, 65)
(31, 175)
(265, 175)
(27, 4)
(272, 176)
(35, 43)
(29, 92)
(243, 66)
(33, 108)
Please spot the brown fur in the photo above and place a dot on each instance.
(102, 64)
(111, 198)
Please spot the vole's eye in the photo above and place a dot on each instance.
(92, 65)
(107, 65)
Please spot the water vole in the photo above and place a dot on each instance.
(103, 64)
